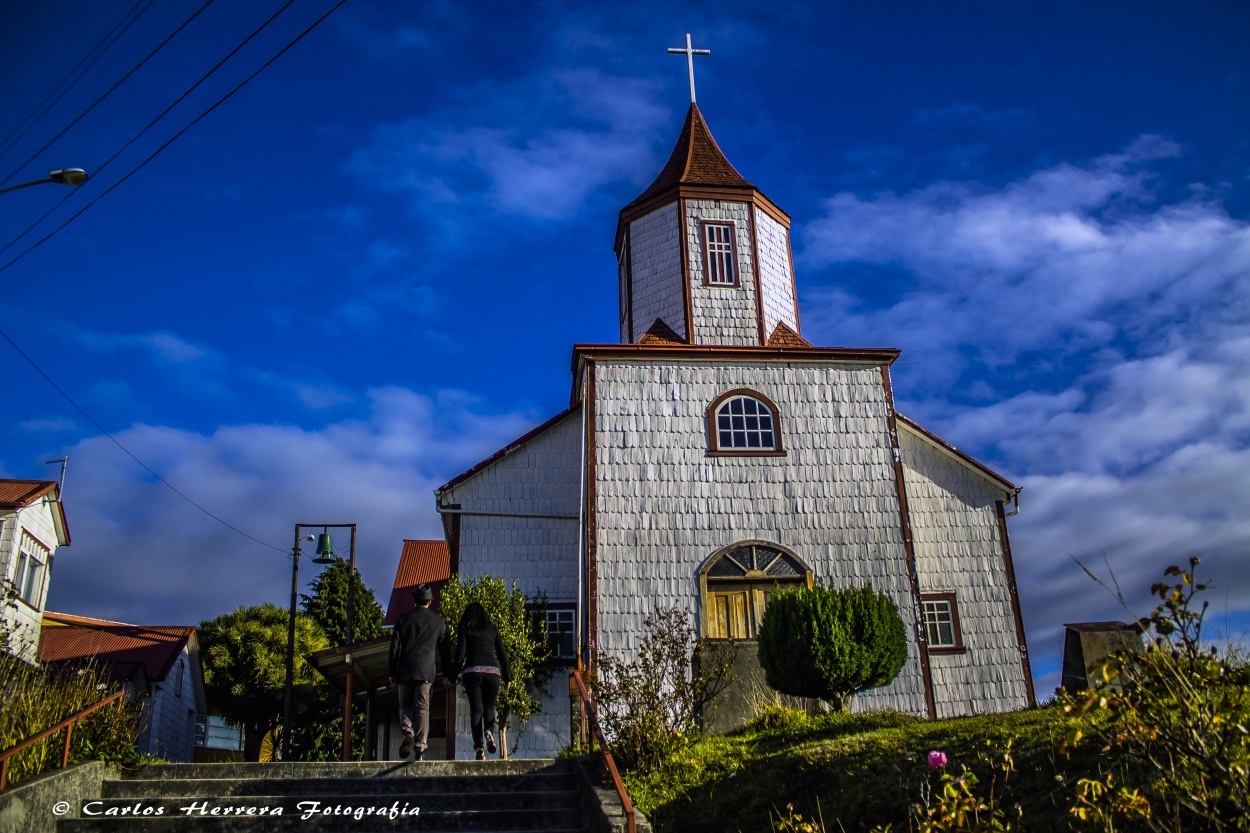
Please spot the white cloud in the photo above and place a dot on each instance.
(532, 148)
(1086, 338)
(140, 553)
(160, 344)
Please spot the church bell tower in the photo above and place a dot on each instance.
(703, 256)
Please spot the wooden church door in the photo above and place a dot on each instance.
(739, 585)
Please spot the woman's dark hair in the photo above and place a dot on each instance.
(474, 618)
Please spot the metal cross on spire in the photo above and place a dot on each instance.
(689, 52)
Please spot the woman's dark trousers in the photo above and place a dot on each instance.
(482, 691)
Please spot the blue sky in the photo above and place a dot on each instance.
(364, 271)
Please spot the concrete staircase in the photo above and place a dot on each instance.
(500, 796)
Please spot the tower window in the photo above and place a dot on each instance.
(941, 623)
(744, 422)
(721, 266)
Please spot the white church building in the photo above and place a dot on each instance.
(714, 454)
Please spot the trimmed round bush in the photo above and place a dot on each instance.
(830, 644)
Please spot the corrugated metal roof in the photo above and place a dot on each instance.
(67, 638)
(420, 562)
(16, 494)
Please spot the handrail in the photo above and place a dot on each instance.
(583, 694)
(67, 724)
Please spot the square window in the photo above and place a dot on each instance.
(941, 622)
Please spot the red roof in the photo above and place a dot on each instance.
(696, 160)
(421, 562)
(18, 494)
(123, 648)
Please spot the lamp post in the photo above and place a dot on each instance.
(325, 555)
(64, 176)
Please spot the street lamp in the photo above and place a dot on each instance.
(64, 176)
(325, 555)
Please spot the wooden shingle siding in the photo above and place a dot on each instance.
(664, 505)
(655, 258)
(776, 282)
(722, 314)
(955, 532)
(541, 477)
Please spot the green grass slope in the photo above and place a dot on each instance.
(863, 769)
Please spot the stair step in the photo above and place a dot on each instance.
(355, 769)
(394, 785)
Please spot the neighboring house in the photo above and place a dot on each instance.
(32, 527)
(714, 454)
(160, 664)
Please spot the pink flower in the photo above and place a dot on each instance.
(937, 759)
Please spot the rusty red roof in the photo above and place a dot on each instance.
(420, 562)
(18, 494)
(123, 648)
(696, 160)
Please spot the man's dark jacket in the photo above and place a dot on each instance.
(417, 633)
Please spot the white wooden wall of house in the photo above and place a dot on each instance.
(776, 277)
(167, 724)
(664, 506)
(25, 618)
(722, 314)
(541, 477)
(655, 257)
(954, 524)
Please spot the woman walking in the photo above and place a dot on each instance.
(480, 652)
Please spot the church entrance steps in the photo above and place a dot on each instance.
(435, 796)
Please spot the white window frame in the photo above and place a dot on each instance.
(28, 580)
(562, 621)
(941, 612)
(761, 425)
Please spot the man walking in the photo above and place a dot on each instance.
(417, 633)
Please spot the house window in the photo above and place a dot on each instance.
(178, 678)
(941, 623)
(718, 247)
(561, 622)
(32, 561)
(562, 633)
(744, 422)
(740, 580)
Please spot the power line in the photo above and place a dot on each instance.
(128, 452)
(149, 126)
(49, 101)
(107, 92)
(175, 137)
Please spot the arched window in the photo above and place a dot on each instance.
(737, 582)
(744, 422)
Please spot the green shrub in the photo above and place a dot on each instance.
(1175, 730)
(33, 699)
(830, 644)
(655, 702)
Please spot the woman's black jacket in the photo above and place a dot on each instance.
(483, 646)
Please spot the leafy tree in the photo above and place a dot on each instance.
(830, 644)
(244, 657)
(318, 735)
(524, 638)
(651, 703)
(327, 605)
